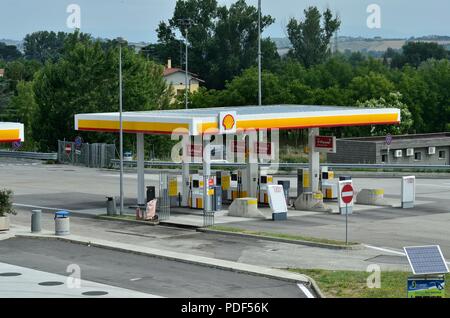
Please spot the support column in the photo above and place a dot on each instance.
(314, 160)
(206, 162)
(252, 165)
(140, 169)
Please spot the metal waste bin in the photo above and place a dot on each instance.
(111, 208)
(62, 223)
(217, 198)
(286, 186)
(36, 221)
(151, 193)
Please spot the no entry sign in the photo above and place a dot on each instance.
(347, 194)
(68, 149)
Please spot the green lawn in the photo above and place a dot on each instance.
(279, 235)
(352, 284)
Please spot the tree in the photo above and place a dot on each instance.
(20, 70)
(414, 53)
(222, 40)
(393, 100)
(44, 45)
(85, 80)
(25, 105)
(370, 86)
(310, 40)
(9, 52)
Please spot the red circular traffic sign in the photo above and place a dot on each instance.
(347, 194)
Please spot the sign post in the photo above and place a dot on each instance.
(346, 197)
(388, 143)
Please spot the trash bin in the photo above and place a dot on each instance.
(286, 186)
(217, 198)
(62, 223)
(345, 178)
(36, 221)
(151, 193)
(111, 209)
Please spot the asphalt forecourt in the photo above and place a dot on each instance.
(146, 272)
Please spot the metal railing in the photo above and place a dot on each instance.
(149, 164)
(28, 155)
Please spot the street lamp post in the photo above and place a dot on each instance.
(259, 56)
(186, 73)
(121, 124)
(187, 23)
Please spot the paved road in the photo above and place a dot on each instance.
(141, 273)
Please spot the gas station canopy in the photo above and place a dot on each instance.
(11, 132)
(208, 120)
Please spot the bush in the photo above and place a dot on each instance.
(6, 202)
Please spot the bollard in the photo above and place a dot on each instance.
(36, 221)
(111, 209)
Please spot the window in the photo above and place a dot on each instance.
(383, 158)
(442, 154)
(418, 156)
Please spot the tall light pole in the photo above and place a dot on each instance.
(259, 56)
(187, 23)
(121, 124)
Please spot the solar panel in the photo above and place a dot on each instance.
(426, 260)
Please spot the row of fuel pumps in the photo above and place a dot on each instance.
(226, 186)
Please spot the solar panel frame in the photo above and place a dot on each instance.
(423, 264)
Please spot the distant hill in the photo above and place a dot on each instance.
(376, 45)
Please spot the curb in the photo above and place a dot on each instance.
(161, 223)
(190, 259)
(112, 218)
(282, 240)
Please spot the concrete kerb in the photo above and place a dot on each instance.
(185, 258)
(283, 240)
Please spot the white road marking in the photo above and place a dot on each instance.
(305, 291)
(135, 279)
(433, 185)
(39, 207)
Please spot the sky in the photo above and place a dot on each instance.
(136, 20)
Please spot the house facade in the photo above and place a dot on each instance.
(176, 77)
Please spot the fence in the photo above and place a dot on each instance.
(89, 155)
(163, 199)
(28, 155)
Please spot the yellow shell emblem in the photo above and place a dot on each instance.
(228, 122)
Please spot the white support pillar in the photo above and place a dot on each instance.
(314, 160)
(252, 172)
(140, 169)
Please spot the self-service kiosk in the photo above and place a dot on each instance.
(328, 184)
(264, 182)
(196, 191)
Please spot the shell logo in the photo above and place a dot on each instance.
(228, 122)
